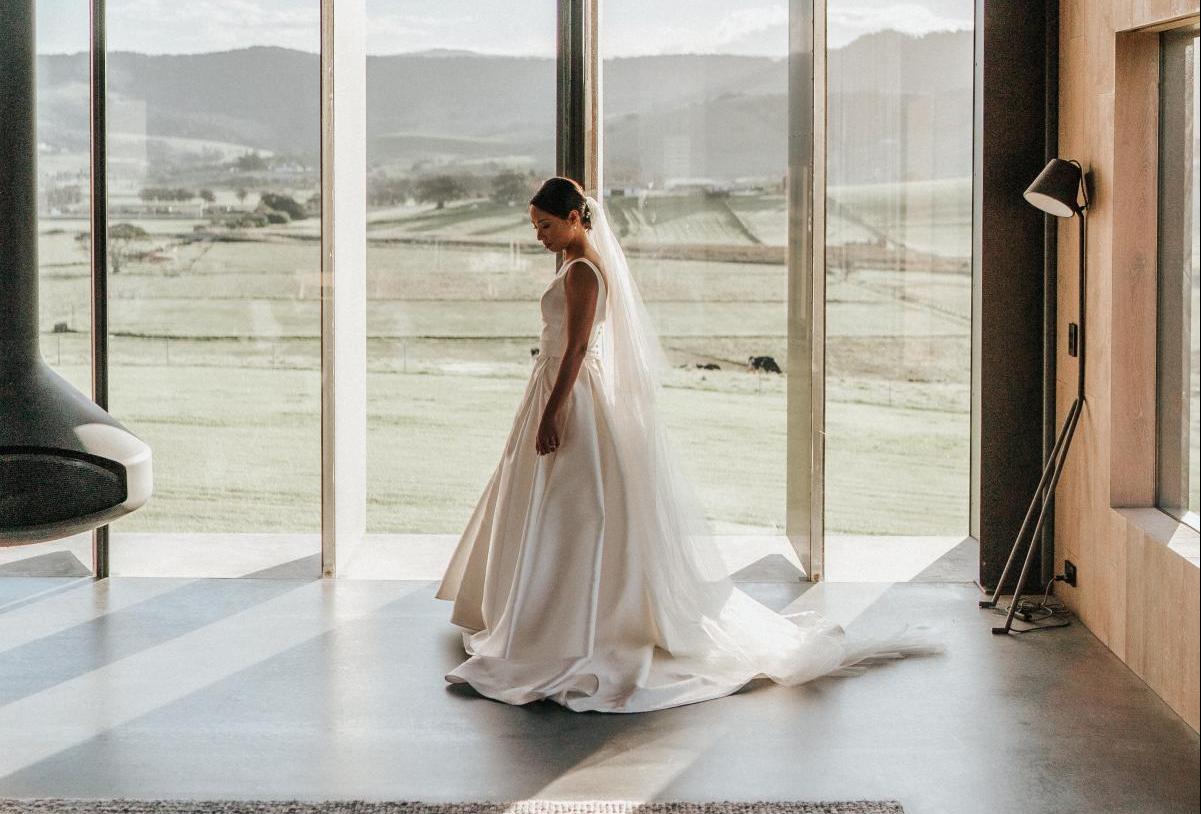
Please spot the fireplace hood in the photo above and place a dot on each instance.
(66, 465)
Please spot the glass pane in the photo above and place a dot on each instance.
(460, 131)
(63, 189)
(1179, 323)
(214, 264)
(898, 279)
(695, 159)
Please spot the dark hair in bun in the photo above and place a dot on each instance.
(560, 196)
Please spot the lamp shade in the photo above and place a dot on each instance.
(1055, 189)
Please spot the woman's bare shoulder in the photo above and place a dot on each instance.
(593, 264)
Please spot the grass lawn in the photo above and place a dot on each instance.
(228, 461)
(215, 352)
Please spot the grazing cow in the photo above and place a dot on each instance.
(533, 351)
(763, 363)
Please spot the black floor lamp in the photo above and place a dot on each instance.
(1059, 190)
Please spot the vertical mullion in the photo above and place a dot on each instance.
(343, 280)
(817, 271)
(577, 126)
(805, 477)
(567, 151)
(98, 204)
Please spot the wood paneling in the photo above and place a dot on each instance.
(1138, 574)
(1134, 270)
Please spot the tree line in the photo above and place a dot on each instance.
(508, 187)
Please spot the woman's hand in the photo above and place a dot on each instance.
(548, 432)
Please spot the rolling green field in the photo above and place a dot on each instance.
(215, 357)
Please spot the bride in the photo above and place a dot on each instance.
(587, 574)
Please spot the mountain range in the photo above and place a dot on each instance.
(898, 106)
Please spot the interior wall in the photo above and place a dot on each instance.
(1138, 585)
(1007, 279)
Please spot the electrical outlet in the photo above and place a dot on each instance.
(1069, 573)
(1073, 339)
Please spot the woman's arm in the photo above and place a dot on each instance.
(581, 290)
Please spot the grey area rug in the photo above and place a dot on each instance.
(122, 806)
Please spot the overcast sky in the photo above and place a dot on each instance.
(516, 27)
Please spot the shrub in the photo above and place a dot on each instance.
(439, 189)
(282, 203)
(511, 187)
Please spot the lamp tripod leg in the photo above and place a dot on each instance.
(1042, 514)
(1040, 492)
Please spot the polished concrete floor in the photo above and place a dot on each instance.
(275, 688)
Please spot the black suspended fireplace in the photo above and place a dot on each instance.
(66, 465)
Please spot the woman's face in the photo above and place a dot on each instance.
(553, 232)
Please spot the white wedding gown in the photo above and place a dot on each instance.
(557, 599)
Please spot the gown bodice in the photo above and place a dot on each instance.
(553, 341)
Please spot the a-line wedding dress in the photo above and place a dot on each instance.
(588, 576)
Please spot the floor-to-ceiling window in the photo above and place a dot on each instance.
(214, 259)
(460, 132)
(898, 283)
(695, 158)
(214, 280)
(695, 163)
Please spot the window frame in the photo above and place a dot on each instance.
(1176, 505)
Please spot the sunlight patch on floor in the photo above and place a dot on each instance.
(86, 706)
(849, 558)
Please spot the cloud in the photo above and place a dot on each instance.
(633, 26)
(844, 24)
(742, 31)
(763, 30)
(517, 34)
(737, 24)
(166, 26)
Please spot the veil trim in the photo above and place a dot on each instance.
(680, 563)
(695, 608)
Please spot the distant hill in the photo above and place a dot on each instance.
(700, 116)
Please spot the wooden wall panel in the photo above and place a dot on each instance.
(1138, 583)
(1134, 265)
